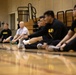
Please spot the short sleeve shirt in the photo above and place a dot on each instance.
(73, 27)
(22, 31)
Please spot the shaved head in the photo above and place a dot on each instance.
(21, 24)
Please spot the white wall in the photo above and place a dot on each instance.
(8, 7)
(3, 11)
(41, 5)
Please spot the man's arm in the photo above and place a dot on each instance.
(15, 37)
(41, 32)
(1, 34)
(67, 37)
(10, 32)
(18, 37)
(74, 36)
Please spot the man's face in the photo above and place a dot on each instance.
(21, 24)
(41, 22)
(48, 19)
(5, 26)
(74, 12)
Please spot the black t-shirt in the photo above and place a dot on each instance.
(40, 28)
(5, 34)
(73, 27)
(55, 31)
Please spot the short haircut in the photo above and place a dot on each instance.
(41, 17)
(49, 13)
(74, 6)
(21, 21)
(6, 24)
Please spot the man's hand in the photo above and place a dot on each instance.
(58, 45)
(44, 45)
(24, 37)
(61, 48)
(13, 41)
(4, 40)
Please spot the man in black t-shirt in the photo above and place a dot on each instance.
(53, 30)
(69, 42)
(5, 33)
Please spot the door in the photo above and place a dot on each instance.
(12, 21)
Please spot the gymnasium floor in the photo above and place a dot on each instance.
(35, 62)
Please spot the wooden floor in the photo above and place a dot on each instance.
(35, 62)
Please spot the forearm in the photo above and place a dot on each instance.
(36, 34)
(39, 33)
(74, 36)
(65, 39)
(19, 37)
(15, 37)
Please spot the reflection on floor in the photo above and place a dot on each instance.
(35, 62)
